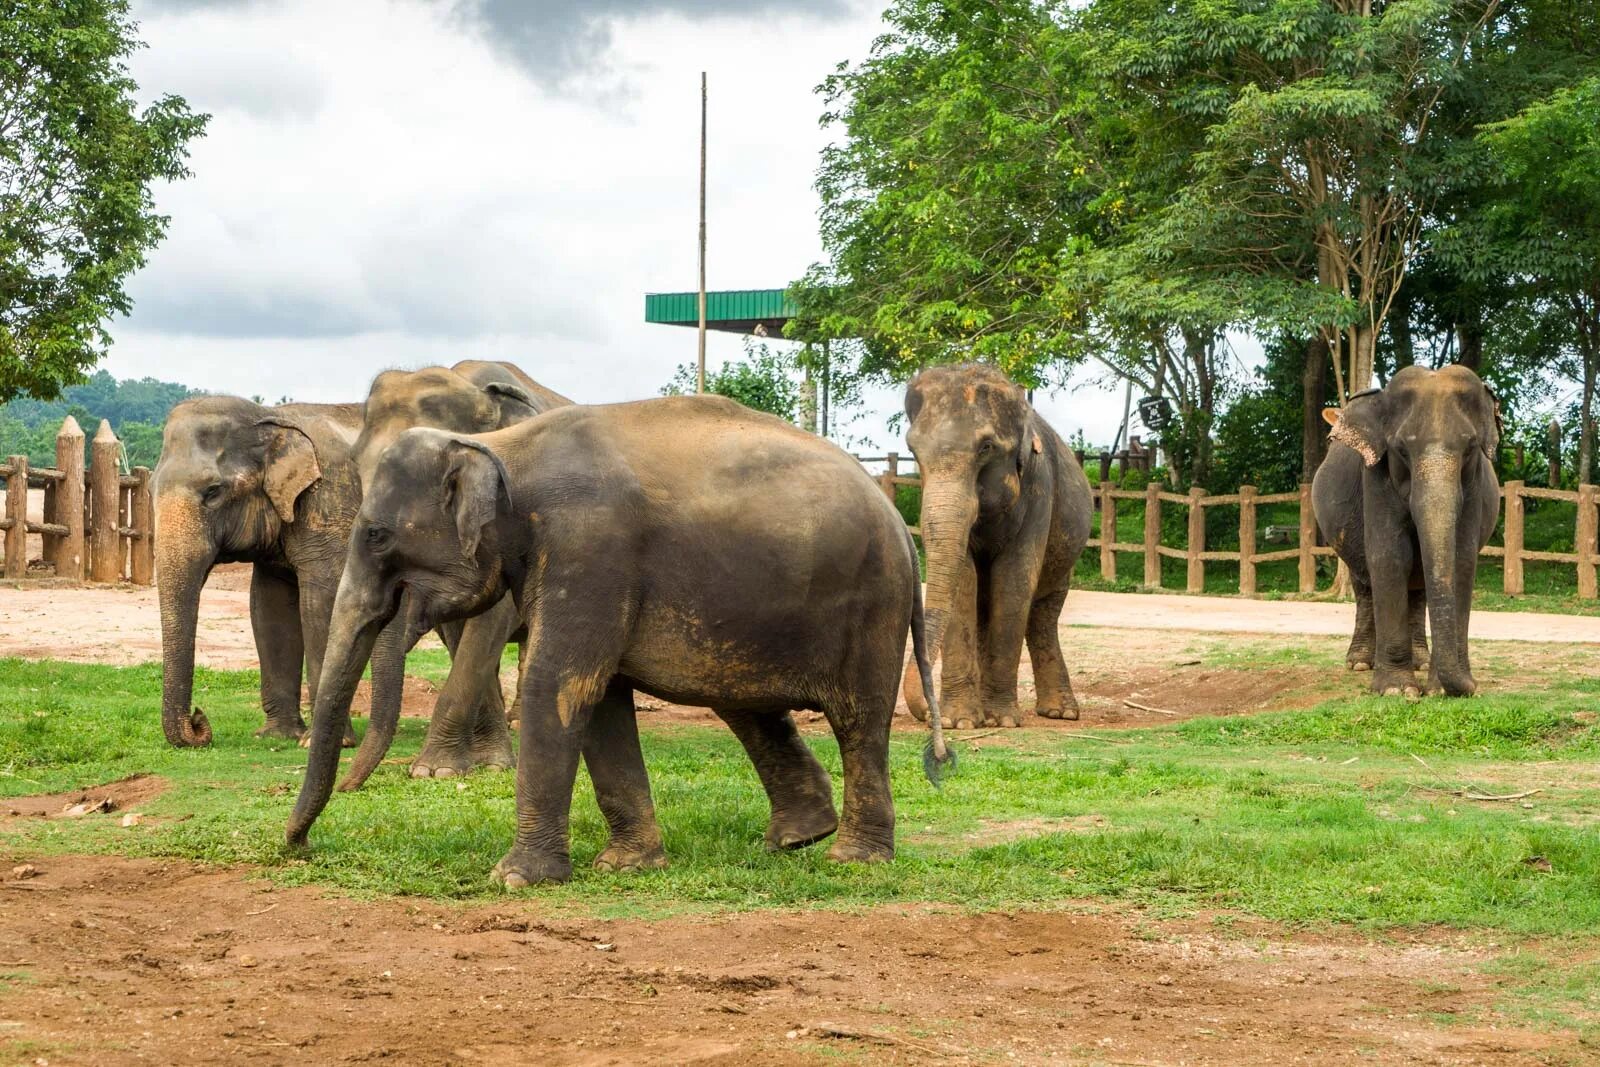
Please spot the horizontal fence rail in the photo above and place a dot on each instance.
(1250, 555)
(98, 523)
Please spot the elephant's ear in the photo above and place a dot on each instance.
(290, 465)
(1362, 426)
(1494, 429)
(514, 402)
(474, 481)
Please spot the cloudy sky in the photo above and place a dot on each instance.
(396, 183)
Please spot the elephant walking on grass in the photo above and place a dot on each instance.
(1407, 497)
(272, 486)
(686, 547)
(1005, 515)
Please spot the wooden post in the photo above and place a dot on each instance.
(1108, 533)
(70, 549)
(1105, 466)
(1308, 541)
(104, 490)
(1152, 535)
(48, 542)
(1078, 452)
(1197, 539)
(17, 511)
(143, 563)
(1586, 541)
(1247, 540)
(1512, 583)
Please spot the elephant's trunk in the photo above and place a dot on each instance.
(1436, 502)
(184, 555)
(388, 681)
(949, 509)
(358, 619)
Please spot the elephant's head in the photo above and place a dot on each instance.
(1426, 438)
(973, 435)
(471, 397)
(430, 528)
(226, 486)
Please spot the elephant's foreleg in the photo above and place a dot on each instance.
(1417, 620)
(1390, 574)
(1051, 684)
(1008, 597)
(797, 785)
(468, 728)
(275, 619)
(621, 785)
(960, 689)
(1364, 638)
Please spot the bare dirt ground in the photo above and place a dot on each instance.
(134, 961)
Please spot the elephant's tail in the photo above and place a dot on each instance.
(937, 757)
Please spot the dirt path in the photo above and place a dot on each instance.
(112, 961)
(122, 624)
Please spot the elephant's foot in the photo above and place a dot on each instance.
(447, 759)
(1453, 685)
(628, 858)
(305, 736)
(1064, 706)
(1359, 665)
(524, 867)
(792, 829)
(284, 727)
(1395, 683)
(852, 849)
(1419, 658)
(960, 710)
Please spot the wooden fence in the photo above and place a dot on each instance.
(1195, 555)
(98, 523)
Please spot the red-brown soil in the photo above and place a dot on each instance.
(112, 961)
(124, 795)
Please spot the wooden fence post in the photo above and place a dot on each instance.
(1197, 539)
(1308, 541)
(1584, 540)
(49, 542)
(106, 493)
(1105, 466)
(17, 514)
(1108, 533)
(1247, 540)
(1152, 535)
(1512, 581)
(142, 567)
(69, 500)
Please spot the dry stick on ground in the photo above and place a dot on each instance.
(873, 1037)
(611, 1000)
(1469, 794)
(1145, 707)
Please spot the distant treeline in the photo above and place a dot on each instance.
(136, 408)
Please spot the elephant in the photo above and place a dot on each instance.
(468, 729)
(686, 547)
(272, 486)
(1005, 515)
(1408, 497)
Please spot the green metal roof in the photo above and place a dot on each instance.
(729, 310)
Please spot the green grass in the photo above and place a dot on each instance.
(1336, 814)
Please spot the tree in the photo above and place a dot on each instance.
(77, 160)
(763, 380)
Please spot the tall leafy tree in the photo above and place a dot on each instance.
(77, 161)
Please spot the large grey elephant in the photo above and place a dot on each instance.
(687, 547)
(1005, 514)
(1407, 497)
(272, 486)
(468, 729)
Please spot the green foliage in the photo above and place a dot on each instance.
(764, 380)
(136, 408)
(77, 162)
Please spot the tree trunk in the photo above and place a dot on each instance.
(1363, 348)
(1586, 423)
(1313, 397)
(1469, 338)
(1405, 353)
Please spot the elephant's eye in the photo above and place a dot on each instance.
(987, 447)
(379, 538)
(212, 494)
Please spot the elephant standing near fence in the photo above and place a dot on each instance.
(1005, 514)
(1408, 497)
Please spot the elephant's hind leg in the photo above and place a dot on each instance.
(280, 645)
(860, 715)
(1418, 611)
(797, 785)
(1052, 686)
(468, 729)
(621, 785)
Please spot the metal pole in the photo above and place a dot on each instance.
(700, 376)
(827, 370)
(1127, 413)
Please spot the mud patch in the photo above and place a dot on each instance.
(998, 831)
(141, 961)
(118, 796)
